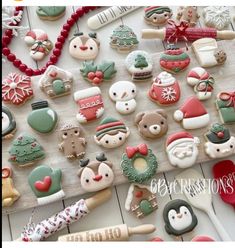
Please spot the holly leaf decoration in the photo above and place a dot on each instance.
(88, 66)
(216, 128)
(108, 69)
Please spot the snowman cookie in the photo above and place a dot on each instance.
(8, 123)
(157, 15)
(188, 14)
(123, 93)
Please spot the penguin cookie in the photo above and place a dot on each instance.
(8, 123)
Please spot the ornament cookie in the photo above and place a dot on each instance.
(96, 175)
(140, 65)
(219, 143)
(8, 123)
(96, 74)
(165, 89)
(152, 124)
(56, 82)
(202, 81)
(179, 217)
(90, 102)
(73, 145)
(25, 151)
(157, 15)
(123, 93)
(111, 133)
(225, 104)
(182, 149)
(42, 119)
(46, 184)
(84, 47)
(123, 39)
(38, 42)
(192, 114)
(188, 14)
(9, 192)
(139, 164)
(16, 89)
(140, 200)
(50, 13)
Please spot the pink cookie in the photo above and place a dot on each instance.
(202, 238)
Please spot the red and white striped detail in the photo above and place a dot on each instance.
(196, 75)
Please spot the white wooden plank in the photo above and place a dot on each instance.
(6, 231)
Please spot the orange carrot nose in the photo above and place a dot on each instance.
(179, 216)
(97, 178)
(83, 48)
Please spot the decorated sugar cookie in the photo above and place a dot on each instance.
(45, 182)
(16, 89)
(179, 217)
(9, 192)
(188, 14)
(8, 123)
(165, 89)
(123, 39)
(152, 124)
(139, 164)
(96, 74)
(157, 15)
(202, 81)
(50, 13)
(140, 200)
(25, 151)
(202, 238)
(140, 65)
(182, 149)
(73, 144)
(56, 82)
(84, 47)
(96, 175)
(192, 114)
(123, 93)
(219, 143)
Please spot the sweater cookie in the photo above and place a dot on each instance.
(157, 15)
(8, 123)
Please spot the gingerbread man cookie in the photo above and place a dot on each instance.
(50, 13)
(188, 14)
(157, 15)
(8, 123)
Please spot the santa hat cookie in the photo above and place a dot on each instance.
(192, 114)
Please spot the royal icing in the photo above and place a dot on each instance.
(157, 15)
(50, 13)
(202, 238)
(188, 14)
(8, 123)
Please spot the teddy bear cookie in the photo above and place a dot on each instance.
(39, 44)
(219, 143)
(140, 200)
(25, 151)
(152, 124)
(157, 15)
(73, 144)
(188, 14)
(96, 175)
(50, 13)
(182, 149)
(179, 217)
(123, 93)
(84, 47)
(45, 182)
(123, 39)
(8, 123)
(16, 89)
(165, 89)
(138, 163)
(56, 82)
(202, 82)
(140, 65)
(111, 133)
(9, 192)
(96, 74)
(192, 114)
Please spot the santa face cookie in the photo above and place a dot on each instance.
(182, 149)
(179, 217)
(188, 14)
(8, 123)
(140, 65)
(16, 89)
(73, 144)
(157, 15)
(152, 124)
(84, 47)
(111, 133)
(219, 143)
(192, 114)
(123, 93)
(96, 175)
(165, 89)
(50, 13)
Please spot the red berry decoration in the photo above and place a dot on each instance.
(220, 134)
(99, 74)
(91, 75)
(96, 80)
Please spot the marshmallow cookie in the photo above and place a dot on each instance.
(8, 123)
(182, 149)
(123, 93)
(111, 133)
(50, 13)
(157, 15)
(140, 65)
(219, 143)
(188, 14)
(179, 217)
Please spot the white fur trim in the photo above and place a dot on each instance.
(51, 198)
(81, 94)
(203, 96)
(196, 122)
(178, 115)
(81, 118)
(195, 140)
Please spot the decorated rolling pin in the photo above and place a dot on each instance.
(112, 233)
(109, 15)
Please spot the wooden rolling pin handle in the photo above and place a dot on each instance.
(226, 35)
(143, 229)
(154, 33)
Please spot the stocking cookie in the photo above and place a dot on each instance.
(50, 13)
(8, 123)
(157, 15)
(46, 184)
(16, 89)
(188, 14)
